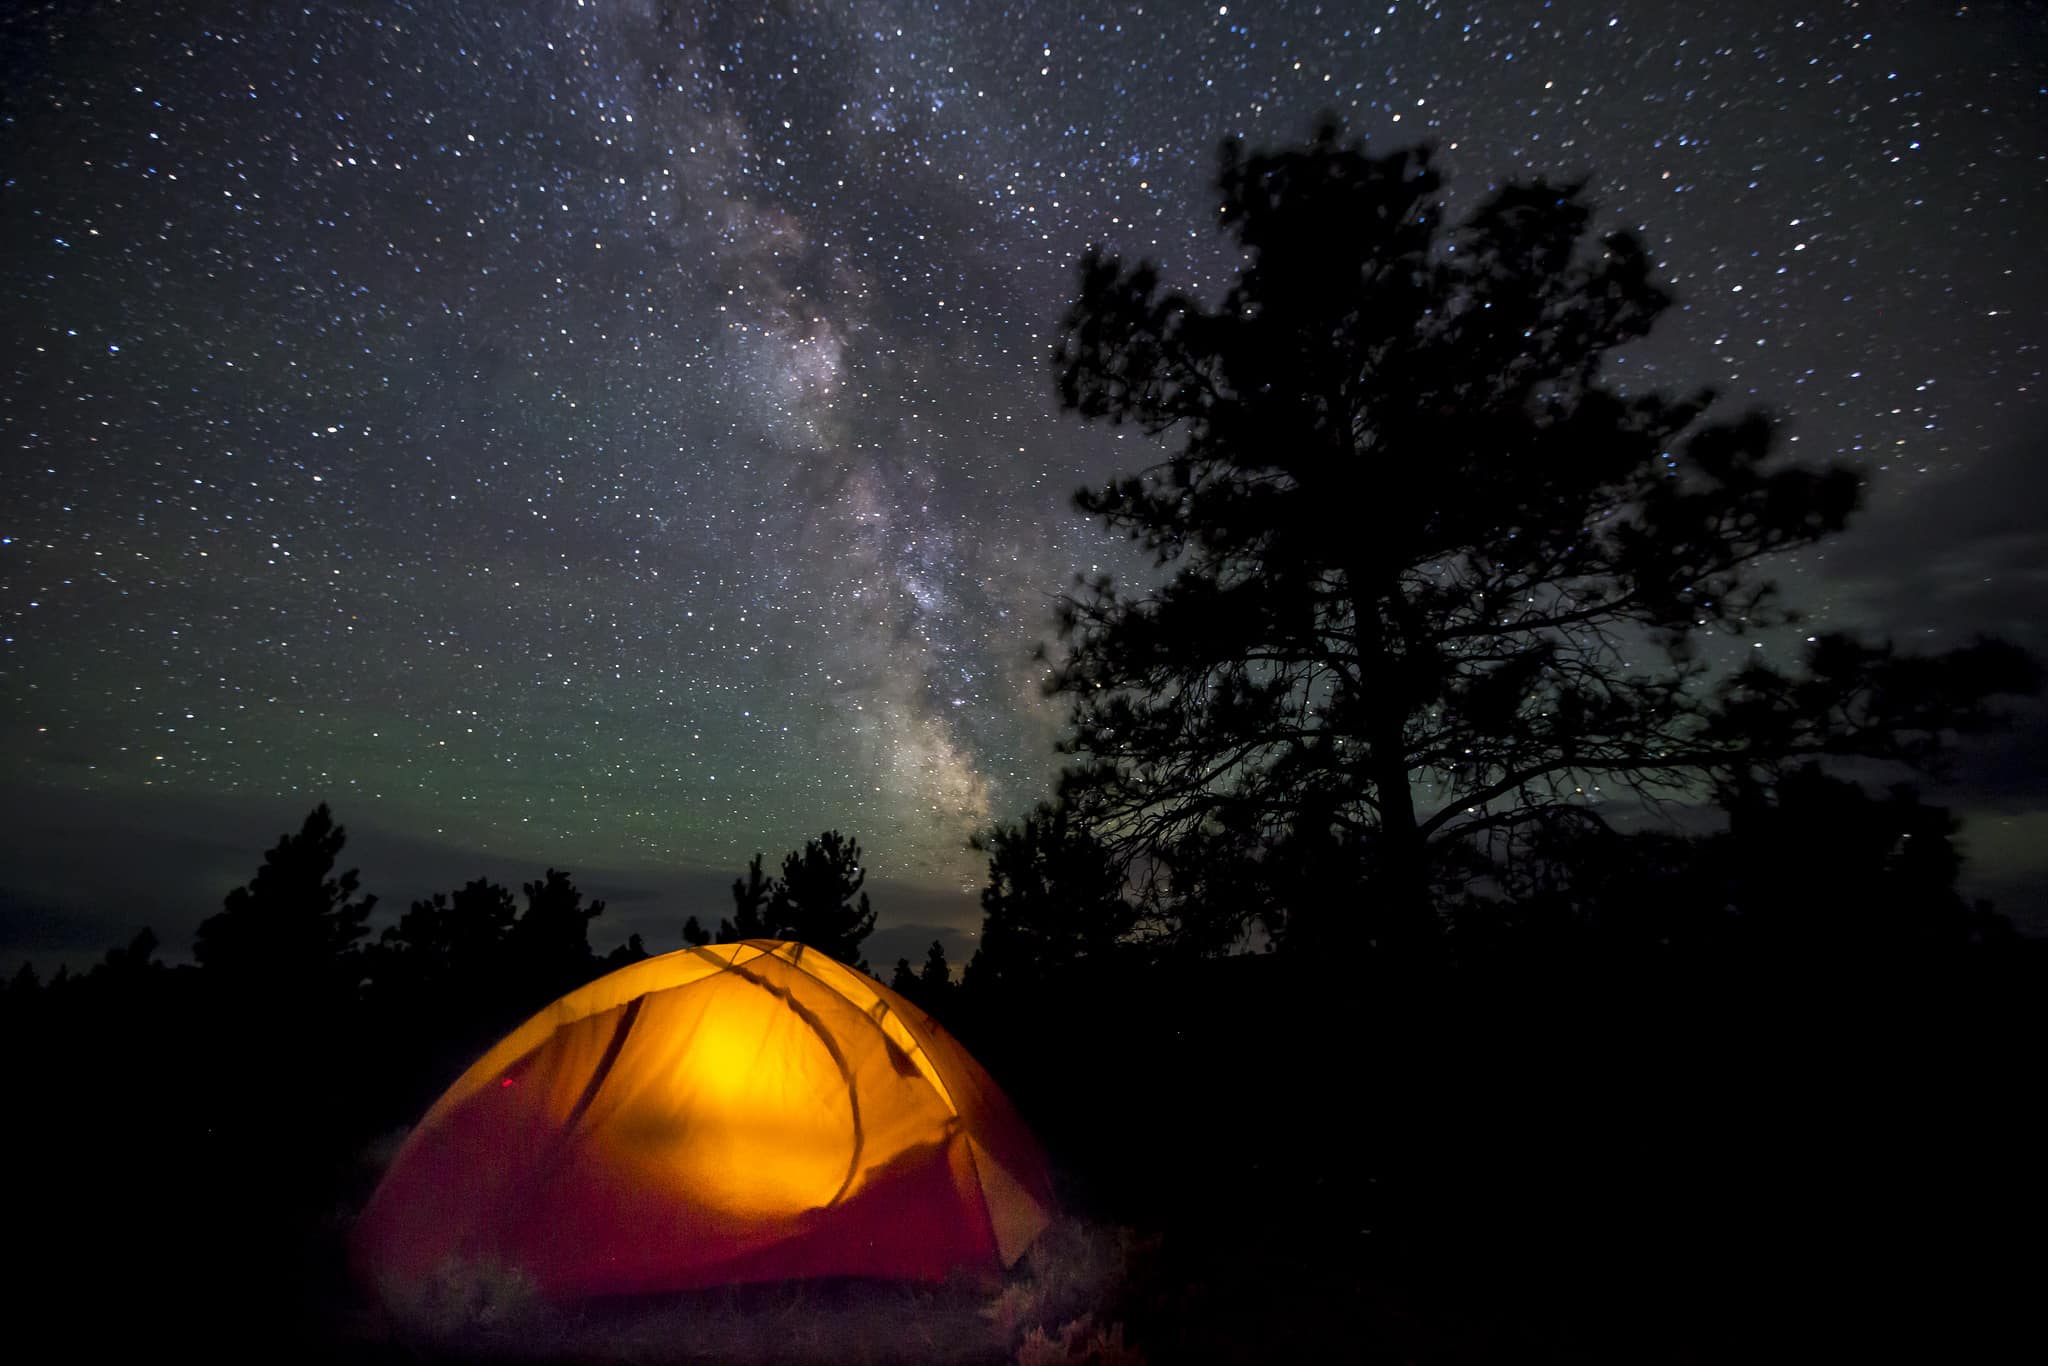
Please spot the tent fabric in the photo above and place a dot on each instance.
(738, 1112)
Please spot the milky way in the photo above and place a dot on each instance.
(622, 433)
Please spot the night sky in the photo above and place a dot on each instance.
(620, 435)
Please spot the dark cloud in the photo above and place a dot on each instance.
(1958, 560)
(1962, 556)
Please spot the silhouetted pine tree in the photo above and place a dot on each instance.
(1428, 577)
(937, 974)
(1816, 858)
(750, 901)
(818, 900)
(548, 949)
(632, 951)
(449, 941)
(292, 931)
(123, 967)
(1055, 899)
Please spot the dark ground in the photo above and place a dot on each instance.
(1266, 1163)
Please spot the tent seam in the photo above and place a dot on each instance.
(832, 1050)
(981, 1193)
(937, 1079)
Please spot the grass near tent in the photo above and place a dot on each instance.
(1086, 1294)
(1046, 1311)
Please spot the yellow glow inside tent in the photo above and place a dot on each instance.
(741, 1111)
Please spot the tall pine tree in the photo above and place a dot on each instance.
(1427, 576)
(292, 931)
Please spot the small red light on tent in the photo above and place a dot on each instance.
(505, 1083)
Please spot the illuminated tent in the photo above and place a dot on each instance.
(741, 1112)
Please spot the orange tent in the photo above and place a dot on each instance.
(742, 1112)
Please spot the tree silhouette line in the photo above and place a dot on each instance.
(1433, 605)
(817, 901)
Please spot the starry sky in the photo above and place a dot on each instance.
(619, 434)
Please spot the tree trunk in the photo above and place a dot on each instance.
(1405, 915)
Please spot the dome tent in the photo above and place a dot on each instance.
(739, 1112)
